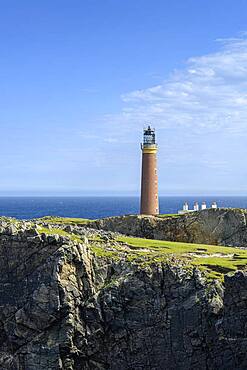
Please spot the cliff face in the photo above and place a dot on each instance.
(65, 305)
(211, 226)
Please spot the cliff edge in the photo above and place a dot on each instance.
(78, 298)
(222, 226)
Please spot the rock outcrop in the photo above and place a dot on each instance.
(210, 226)
(63, 306)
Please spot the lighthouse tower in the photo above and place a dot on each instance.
(149, 185)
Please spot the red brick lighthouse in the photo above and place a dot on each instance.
(149, 185)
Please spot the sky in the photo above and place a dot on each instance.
(79, 80)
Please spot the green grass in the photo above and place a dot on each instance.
(215, 261)
(65, 220)
(101, 252)
(172, 215)
(53, 231)
(11, 220)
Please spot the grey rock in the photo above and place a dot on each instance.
(220, 226)
(61, 307)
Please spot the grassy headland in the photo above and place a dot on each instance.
(214, 261)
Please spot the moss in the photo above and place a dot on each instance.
(111, 283)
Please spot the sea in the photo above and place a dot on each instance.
(98, 207)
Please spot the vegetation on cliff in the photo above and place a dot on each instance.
(74, 297)
(213, 261)
(64, 220)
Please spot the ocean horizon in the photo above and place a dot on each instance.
(92, 207)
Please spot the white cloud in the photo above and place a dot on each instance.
(209, 95)
(200, 113)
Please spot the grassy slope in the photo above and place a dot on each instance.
(215, 261)
(65, 220)
(171, 215)
(53, 231)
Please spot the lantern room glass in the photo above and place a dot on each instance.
(149, 136)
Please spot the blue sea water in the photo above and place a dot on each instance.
(97, 207)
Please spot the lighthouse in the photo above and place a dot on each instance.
(149, 181)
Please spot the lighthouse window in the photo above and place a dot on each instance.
(149, 136)
(148, 139)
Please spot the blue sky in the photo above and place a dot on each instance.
(80, 79)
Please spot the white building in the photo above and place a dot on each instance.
(196, 207)
(185, 207)
(214, 205)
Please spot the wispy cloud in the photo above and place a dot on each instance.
(209, 94)
(200, 113)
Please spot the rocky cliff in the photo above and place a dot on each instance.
(76, 298)
(210, 226)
